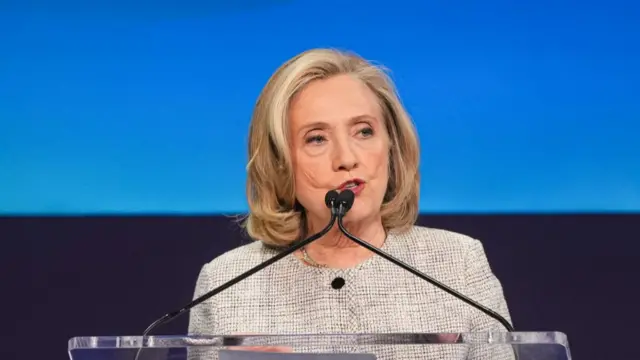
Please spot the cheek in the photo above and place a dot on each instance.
(379, 164)
(379, 160)
(308, 175)
(382, 172)
(308, 183)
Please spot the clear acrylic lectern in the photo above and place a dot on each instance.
(476, 346)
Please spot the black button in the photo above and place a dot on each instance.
(337, 283)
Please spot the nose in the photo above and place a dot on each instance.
(344, 156)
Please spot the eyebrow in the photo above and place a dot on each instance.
(323, 125)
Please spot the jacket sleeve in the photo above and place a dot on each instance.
(202, 318)
(484, 287)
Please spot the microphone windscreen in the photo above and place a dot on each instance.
(346, 198)
(330, 198)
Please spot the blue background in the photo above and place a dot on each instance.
(113, 107)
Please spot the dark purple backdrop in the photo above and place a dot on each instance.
(65, 277)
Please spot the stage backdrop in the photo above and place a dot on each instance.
(122, 150)
(112, 107)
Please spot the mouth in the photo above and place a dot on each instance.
(355, 185)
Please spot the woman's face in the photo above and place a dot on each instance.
(339, 140)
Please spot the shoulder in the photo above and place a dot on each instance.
(460, 261)
(441, 252)
(454, 258)
(233, 262)
(246, 254)
(218, 271)
(433, 240)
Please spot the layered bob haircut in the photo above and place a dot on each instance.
(275, 217)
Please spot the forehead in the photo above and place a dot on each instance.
(332, 100)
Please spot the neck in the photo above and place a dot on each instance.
(335, 250)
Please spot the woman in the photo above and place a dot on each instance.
(330, 120)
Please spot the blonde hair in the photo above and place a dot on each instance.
(275, 217)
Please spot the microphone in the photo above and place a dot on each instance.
(330, 201)
(345, 201)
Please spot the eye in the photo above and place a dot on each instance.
(366, 132)
(315, 139)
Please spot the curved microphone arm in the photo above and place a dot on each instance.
(330, 201)
(172, 315)
(419, 274)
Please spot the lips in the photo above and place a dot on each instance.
(355, 185)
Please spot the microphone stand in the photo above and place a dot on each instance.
(330, 201)
(339, 205)
(172, 315)
(345, 201)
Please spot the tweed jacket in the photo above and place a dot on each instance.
(289, 297)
